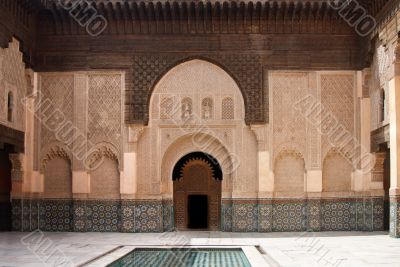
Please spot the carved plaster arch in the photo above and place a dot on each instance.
(194, 59)
(99, 151)
(54, 151)
(289, 148)
(196, 76)
(333, 150)
(185, 145)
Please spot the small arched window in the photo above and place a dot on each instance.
(382, 105)
(207, 108)
(10, 106)
(227, 109)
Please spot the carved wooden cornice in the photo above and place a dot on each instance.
(191, 17)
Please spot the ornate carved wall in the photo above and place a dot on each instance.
(289, 129)
(302, 132)
(338, 96)
(104, 109)
(12, 79)
(210, 82)
(57, 90)
(89, 121)
(177, 123)
(381, 73)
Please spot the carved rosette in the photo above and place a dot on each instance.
(17, 171)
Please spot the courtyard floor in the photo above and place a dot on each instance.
(272, 249)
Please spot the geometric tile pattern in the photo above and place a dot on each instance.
(313, 215)
(54, 215)
(237, 215)
(168, 215)
(378, 214)
(16, 217)
(265, 211)
(91, 215)
(338, 215)
(288, 217)
(245, 217)
(148, 216)
(226, 216)
(103, 216)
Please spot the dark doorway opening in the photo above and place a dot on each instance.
(197, 193)
(5, 188)
(198, 211)
(386, 187)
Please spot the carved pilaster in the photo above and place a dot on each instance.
(17, 171)
(366, 82)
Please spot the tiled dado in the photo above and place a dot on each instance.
(237, 215)
(395, 216)
(92, 215)
(293, 215)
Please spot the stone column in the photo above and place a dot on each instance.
(32, 178)
(394, 114)
(129, 175)
(265, 177)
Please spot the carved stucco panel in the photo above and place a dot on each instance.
(288, 126)
(57, 94)
(104, 109)
(338, 98)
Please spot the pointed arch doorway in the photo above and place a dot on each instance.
(197, 186)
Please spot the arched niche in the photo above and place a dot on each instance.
(104, 172)
(57, 173)
(289, 171)
(336, 172)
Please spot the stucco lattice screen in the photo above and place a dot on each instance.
(246, 69)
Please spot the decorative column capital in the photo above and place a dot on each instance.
(134, 133)
(261, 135)
(17, 171)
